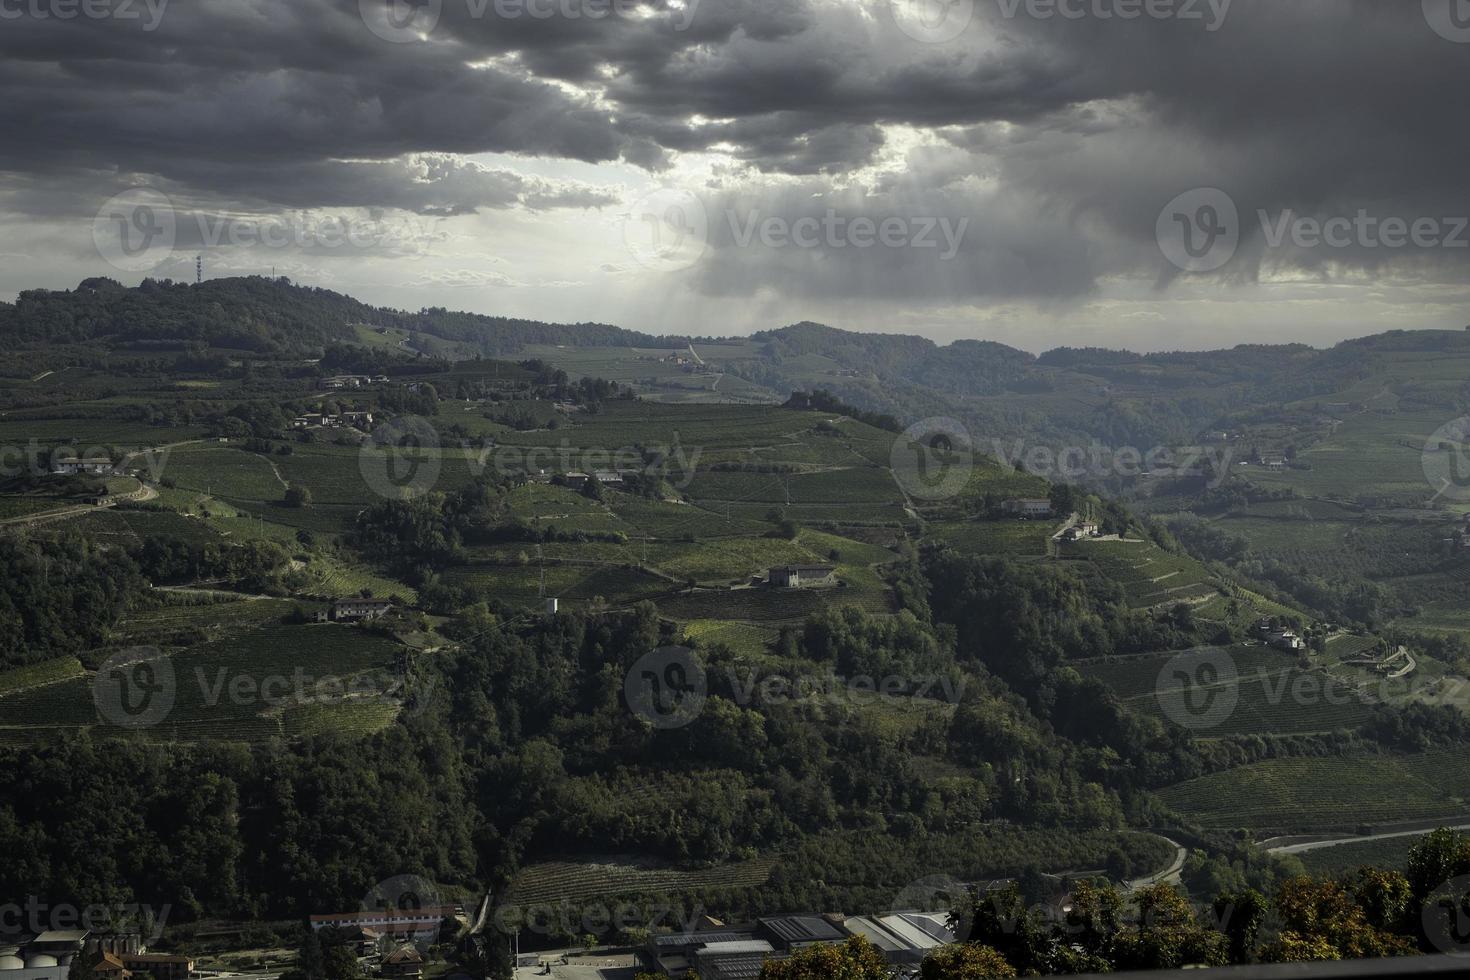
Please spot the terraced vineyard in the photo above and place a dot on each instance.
(224, 471)
(336, 579)
(131, 528)
(180, 620)
(523, 583)
(217, 688)
(655, 518)
(746, 639)
(1271, 694)
(1010, 537)
(1333, 862)
(39, 675)
(1133, 677)
(354, 717)
(1150, 576)
(1327, 794)
(24, 506)
(556, 882)
(743, 605)
(839, 486)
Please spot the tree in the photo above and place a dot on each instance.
(340, 963)
(1240, 914)
(1168, 936)
(965, 961)
(856, 959)
(312, 960)
(80, 969)
(1440, 857)
(1001, 921)
(1322, 920)
(297, 496)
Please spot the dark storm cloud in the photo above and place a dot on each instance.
(951, 243)
(1062, 137)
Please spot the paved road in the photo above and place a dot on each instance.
(1170, 874)
(1321, 844)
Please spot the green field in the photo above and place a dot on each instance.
(1333, 862)
(1271, 694)
(1006, 537)
(217, 691)
(1287, 795)
(1370, 456)
(556, 882)
(1150, 576)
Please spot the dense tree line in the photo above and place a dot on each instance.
(60, 595)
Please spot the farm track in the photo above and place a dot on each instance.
(1340, 841)
(143, 493)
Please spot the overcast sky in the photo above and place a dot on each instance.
(1154, 174)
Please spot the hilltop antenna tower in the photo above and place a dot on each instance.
(198, 269)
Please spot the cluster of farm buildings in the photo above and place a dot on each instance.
(715, 951)
(333, 420)
(51, 955)
(354, 610)
(398, 936)
(340, 381)
(1280, 637)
